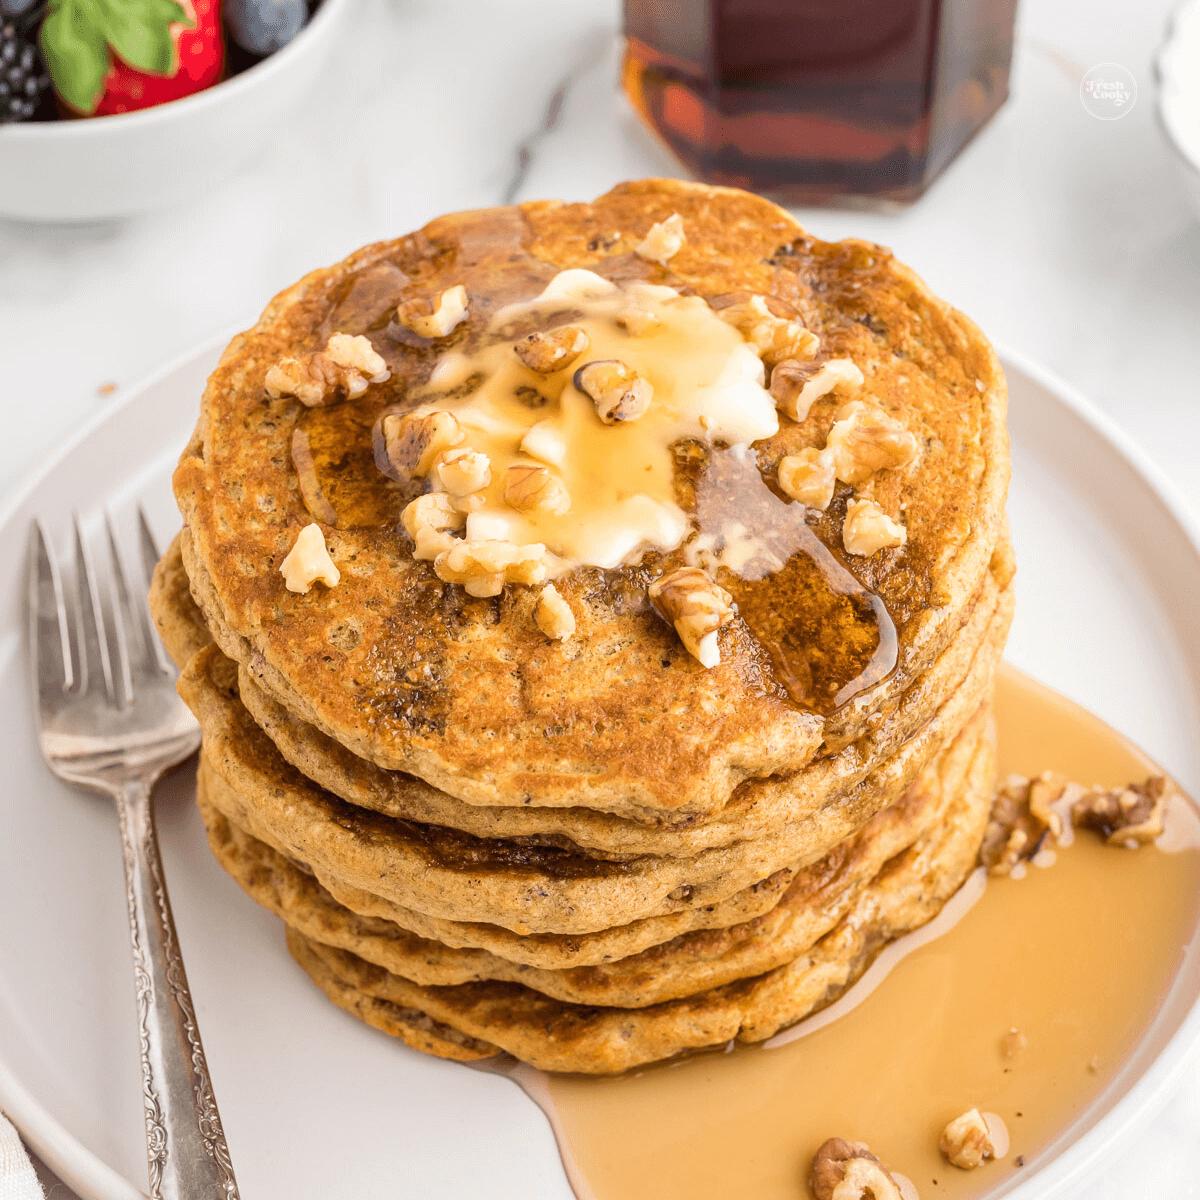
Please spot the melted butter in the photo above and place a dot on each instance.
(708, 386)
(1054, 955)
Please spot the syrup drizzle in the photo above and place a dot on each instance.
(918, 1040)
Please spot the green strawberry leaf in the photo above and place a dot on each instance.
(72, 41)
(140, 32)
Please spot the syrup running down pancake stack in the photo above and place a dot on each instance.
(591, 612)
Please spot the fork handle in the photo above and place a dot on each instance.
(185, 1145)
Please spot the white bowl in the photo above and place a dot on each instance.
(1177, 75)
(114, 166)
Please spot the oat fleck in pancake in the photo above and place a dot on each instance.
(411, 672)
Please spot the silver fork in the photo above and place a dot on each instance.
(109, 719)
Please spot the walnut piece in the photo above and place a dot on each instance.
(483, 568)
(308, 560)
(553, 615)
(1124, 816)
(843, 1170)
(864, 439)
(553, 350)
(1023, 821)
(461, 472)
(428, 320)
(345, 367)
(429, 521)
(618, 392)
(530, 488)
(867, 528)
(697, 607)
(797, 386)
(966, 1141)
(775, 338)
(808, 477)
(663, 241)
(412, 442)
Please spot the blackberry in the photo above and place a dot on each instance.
(23, 76)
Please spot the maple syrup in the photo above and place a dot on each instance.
(813, 101)
(1076, 957)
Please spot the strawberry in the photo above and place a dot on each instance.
(114, 56)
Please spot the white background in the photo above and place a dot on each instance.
(1064, 237)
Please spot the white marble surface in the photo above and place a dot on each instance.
(1066, 238)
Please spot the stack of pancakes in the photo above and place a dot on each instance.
(595, 852)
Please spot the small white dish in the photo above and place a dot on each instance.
(1177, 77)
(315, 1103)
(115, 166)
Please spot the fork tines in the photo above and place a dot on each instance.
(89, 631)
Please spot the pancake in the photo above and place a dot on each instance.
(758, 808)
(556, 1036)
(813, 903)
(410, 674)
(524, 887)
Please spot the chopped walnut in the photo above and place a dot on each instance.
(808, 477)
(463, 471)
(1128, 815)
(843, 1170)
(483, 568)
(864, 439)
(412, 442)
(663, 241)
(966, 1141)
(867, 528)
(619, 392)
(355, 354)
(775, 338)
(428, 320)
(530, 488)
(553, 350)
(639, 322)
(429, 520)
(797, 386)
(308, 560)
(1023, 821)
(347, 366)
(553, 615)
(697, 607)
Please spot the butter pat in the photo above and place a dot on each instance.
(308, 560)
(588, 474)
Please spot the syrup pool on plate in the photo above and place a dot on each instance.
(1076, 956)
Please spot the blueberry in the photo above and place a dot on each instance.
(261, 26)
(14, 8)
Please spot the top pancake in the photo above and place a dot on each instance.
(412, 674)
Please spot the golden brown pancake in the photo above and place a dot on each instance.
(813, 903)
(525, 887)
(558, 1036)
(496, 715)
(759, 807)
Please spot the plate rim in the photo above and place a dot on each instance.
(93, 1178)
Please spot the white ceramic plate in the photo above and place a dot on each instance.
(316, 1104)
